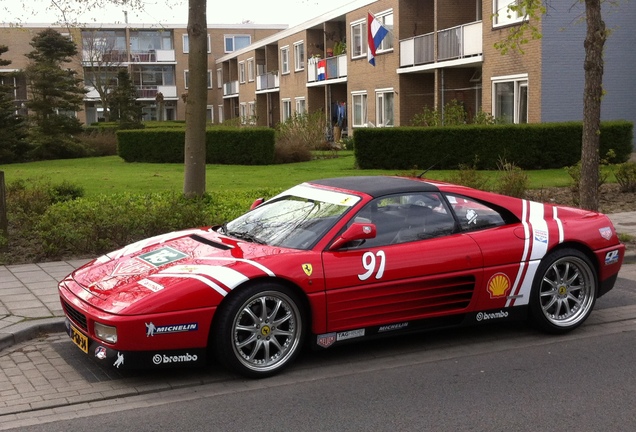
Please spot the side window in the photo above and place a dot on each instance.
(406, 218)
(473, 215)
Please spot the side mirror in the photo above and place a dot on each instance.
(257, 202)
(357, 231)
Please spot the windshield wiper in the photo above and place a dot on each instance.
(244, 236)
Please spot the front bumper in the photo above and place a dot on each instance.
(134, 359)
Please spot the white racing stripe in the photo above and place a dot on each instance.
(255, 264)
(227, 276)
(200, 278)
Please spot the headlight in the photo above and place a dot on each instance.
(106, 333)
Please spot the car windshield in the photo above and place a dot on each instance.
(296, 219)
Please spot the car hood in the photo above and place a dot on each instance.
(177, 271)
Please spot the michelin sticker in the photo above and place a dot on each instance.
(152, 330)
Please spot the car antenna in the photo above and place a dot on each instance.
(431, 167)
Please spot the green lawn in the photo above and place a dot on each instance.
(111, 174)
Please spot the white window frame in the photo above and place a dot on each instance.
(241, 67)
(520, 90)
(286, 111)
(251, 112)
(387, 43)
(361, 50)
(284, 60)
(299, 56)
(362, 95)
(301, 106)
(233, 37)
(381, 97)
(186, 43)
(221, 114)
(250, 69)
(219, 78)
(502, 16)
(186, 79)
(210, 113)
(243, 112)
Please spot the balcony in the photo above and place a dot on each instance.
(230, 88)
(152, 56)
(150, 91)
(268, 81)
(453, 43)
(331, 68)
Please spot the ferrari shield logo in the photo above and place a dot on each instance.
(308, 269)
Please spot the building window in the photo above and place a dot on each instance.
(300, 105)
(384, 107)
(186, 44)
(287, 109)
(219, 78)
(241, 72)
(284, 59)
(359, 109)
(251, 112)
(387, 21)
(250, 70)
(299, 56)
(221, 118)
(236, 42)
(210, 113)
(510, 98)
(359, 39)
(186, 78)
(502, 15)
(243, 112)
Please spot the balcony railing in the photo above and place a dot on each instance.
(326, 69)
(452, 43)
(117, 57)
(150, 91)
(152, 56)
(231, 88)
(268, 81)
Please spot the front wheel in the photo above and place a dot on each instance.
(564, 291)
(260, 330)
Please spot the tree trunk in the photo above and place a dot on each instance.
(592, 94)
(196, 102)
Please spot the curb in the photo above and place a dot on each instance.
(26, 330)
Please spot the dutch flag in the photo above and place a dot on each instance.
(322, 66)
(375, 33)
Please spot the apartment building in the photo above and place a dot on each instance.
(155, 56)
(436, 51)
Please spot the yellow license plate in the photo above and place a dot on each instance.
(79, 339)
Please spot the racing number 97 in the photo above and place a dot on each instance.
(369, 263)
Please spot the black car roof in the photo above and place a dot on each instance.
(378, 185)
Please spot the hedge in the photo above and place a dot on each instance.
(246, 146)
(529, 146)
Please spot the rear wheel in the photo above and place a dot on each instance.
(260, 330)
(564, 291)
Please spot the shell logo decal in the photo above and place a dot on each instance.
(308, 269)
(498, 285)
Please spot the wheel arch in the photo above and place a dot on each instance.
(306, 306)
(585, 250)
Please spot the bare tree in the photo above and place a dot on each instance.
(103, 55)
(593, 87)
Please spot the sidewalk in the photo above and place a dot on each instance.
(30, 305)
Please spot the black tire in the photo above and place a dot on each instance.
(259, 330)
(564, 291)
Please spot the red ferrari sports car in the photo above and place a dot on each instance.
(337, 260)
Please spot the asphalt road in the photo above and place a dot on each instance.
(493, 378)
